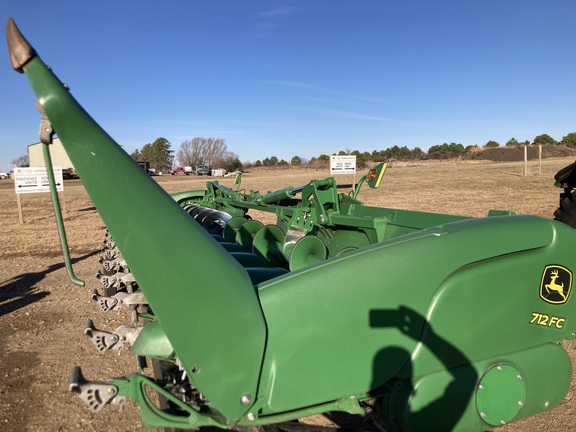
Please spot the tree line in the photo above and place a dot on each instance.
(214, 153)
(439, 151)
(200, 151)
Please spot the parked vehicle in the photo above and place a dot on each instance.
(203, 170)
(187, 170)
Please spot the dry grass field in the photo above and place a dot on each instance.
(42, 314)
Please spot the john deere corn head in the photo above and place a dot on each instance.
(415, 321)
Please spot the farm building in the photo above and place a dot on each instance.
(58, 155)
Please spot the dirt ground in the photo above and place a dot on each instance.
(42, 314)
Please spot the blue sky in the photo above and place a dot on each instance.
(286, 78)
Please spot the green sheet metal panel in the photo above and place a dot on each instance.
(203, 299)
(328, 323)
(494, 306)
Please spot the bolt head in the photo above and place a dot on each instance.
(245, 399)
(250, 416)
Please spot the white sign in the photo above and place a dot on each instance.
(342, 165)
(35, 180)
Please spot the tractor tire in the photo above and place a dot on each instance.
(566, 213)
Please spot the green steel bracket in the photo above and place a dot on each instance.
(238, 181)
(137, 386)
(134, 387)
(322, 197)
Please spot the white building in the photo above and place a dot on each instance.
(57, 154)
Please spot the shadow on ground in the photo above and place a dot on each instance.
(21, 290)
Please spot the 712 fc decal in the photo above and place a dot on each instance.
(547, 320)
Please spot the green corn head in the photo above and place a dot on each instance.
(423, 321)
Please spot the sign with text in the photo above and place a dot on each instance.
(35, 180)
(342, 164)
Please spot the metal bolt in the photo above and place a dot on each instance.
(195, 369)
(110, 390)
(245, 399)
(520, 403)
(352, 397)
(519, 376)
(482, 414)
(502, 422)
(500, 368)
(250, 417)
(480, 387)
(546, 404)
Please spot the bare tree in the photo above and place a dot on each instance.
(213, 149)
(202, 151)
(21, 161)
(189, 153)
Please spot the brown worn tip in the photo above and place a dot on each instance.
(21, 52)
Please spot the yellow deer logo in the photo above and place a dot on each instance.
(556, 284)
(553, 286)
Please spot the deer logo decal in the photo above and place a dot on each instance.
(556, 284)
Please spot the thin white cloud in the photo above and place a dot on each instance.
(293, 84)
(280, 11)
(348, 95)
(349, 114)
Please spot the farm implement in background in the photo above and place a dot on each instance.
(415, 320)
